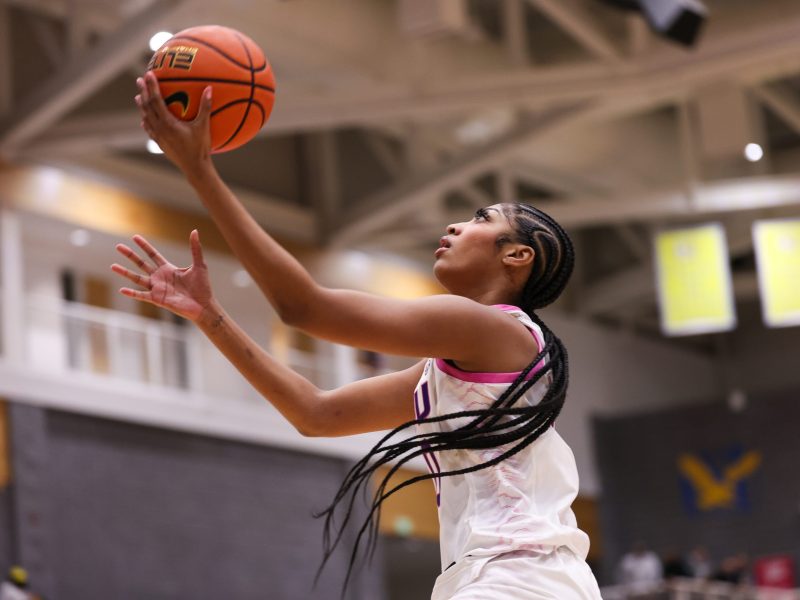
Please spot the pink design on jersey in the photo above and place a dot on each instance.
(507, 307)
(476, 377)
(482, 377)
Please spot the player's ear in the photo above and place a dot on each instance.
(518, 255)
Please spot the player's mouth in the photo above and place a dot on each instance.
(444, 246)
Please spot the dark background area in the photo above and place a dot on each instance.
(643, 494)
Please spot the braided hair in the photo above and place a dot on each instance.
(503, 424)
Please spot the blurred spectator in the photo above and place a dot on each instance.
(15, 585)
(732, 569)
(700, 563)
(640, 566)
(675, 565)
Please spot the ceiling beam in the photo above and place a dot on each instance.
(428, 186)
(97, 19)
(712, 199)
(478, 197)
(633, 241)
(45, 37)
(77, 28)
(782, 100)
(574, 17)
(618, 291)
(564, 184)
(385, 154)
(639, 36)
(321, 165)
(637, 285)
(515, 31)
(665, 77)
(61, 93)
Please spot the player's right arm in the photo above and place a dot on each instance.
(433, 326)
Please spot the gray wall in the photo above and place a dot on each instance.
(642, 495)
(113, 510)
(6, 531)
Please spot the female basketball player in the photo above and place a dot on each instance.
(481, 409)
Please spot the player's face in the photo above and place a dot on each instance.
(469, 252)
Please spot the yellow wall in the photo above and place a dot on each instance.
(415, 504)
(5, 446)
(54, 193)
(586, 511)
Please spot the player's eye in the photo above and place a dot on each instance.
(481, 214)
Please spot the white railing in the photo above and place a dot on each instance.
(70, 336)
(695, 589)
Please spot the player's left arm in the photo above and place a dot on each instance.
(373, 404)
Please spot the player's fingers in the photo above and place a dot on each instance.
(143, 92)
(137, 294)
(197, 249)
(134, 258)
(136, 278)
(156, 102)
(154, 254)
(140, 105)
(205, 107)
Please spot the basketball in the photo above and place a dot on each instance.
(235, 67)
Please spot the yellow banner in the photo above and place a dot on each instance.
(777, 246)
(694, 280)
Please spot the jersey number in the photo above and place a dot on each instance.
(423, 411)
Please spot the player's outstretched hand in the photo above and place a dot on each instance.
(183, 291)
(185, 143)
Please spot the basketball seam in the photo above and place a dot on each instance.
(249, 100)
(218, 80)
(225, 55)
(255, 103)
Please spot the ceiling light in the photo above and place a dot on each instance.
(79, 238)
(485, 127)
(753, 152)
(158, 40)
(154, 148)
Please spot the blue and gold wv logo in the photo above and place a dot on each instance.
(718, 482)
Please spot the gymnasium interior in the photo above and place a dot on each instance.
(664, 135)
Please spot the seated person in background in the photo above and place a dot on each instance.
(675, 565)
(733, 569)
(15, 585)
(700, 563)
(640, 566)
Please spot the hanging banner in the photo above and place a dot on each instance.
(694, 280)
(777, 246)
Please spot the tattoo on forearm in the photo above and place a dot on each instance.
(217, 322)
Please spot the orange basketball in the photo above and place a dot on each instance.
(233, 65)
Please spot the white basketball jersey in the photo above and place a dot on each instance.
(522, 503)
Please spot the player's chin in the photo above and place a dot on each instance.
(444, 272)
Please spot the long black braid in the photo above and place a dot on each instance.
(502, 425)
